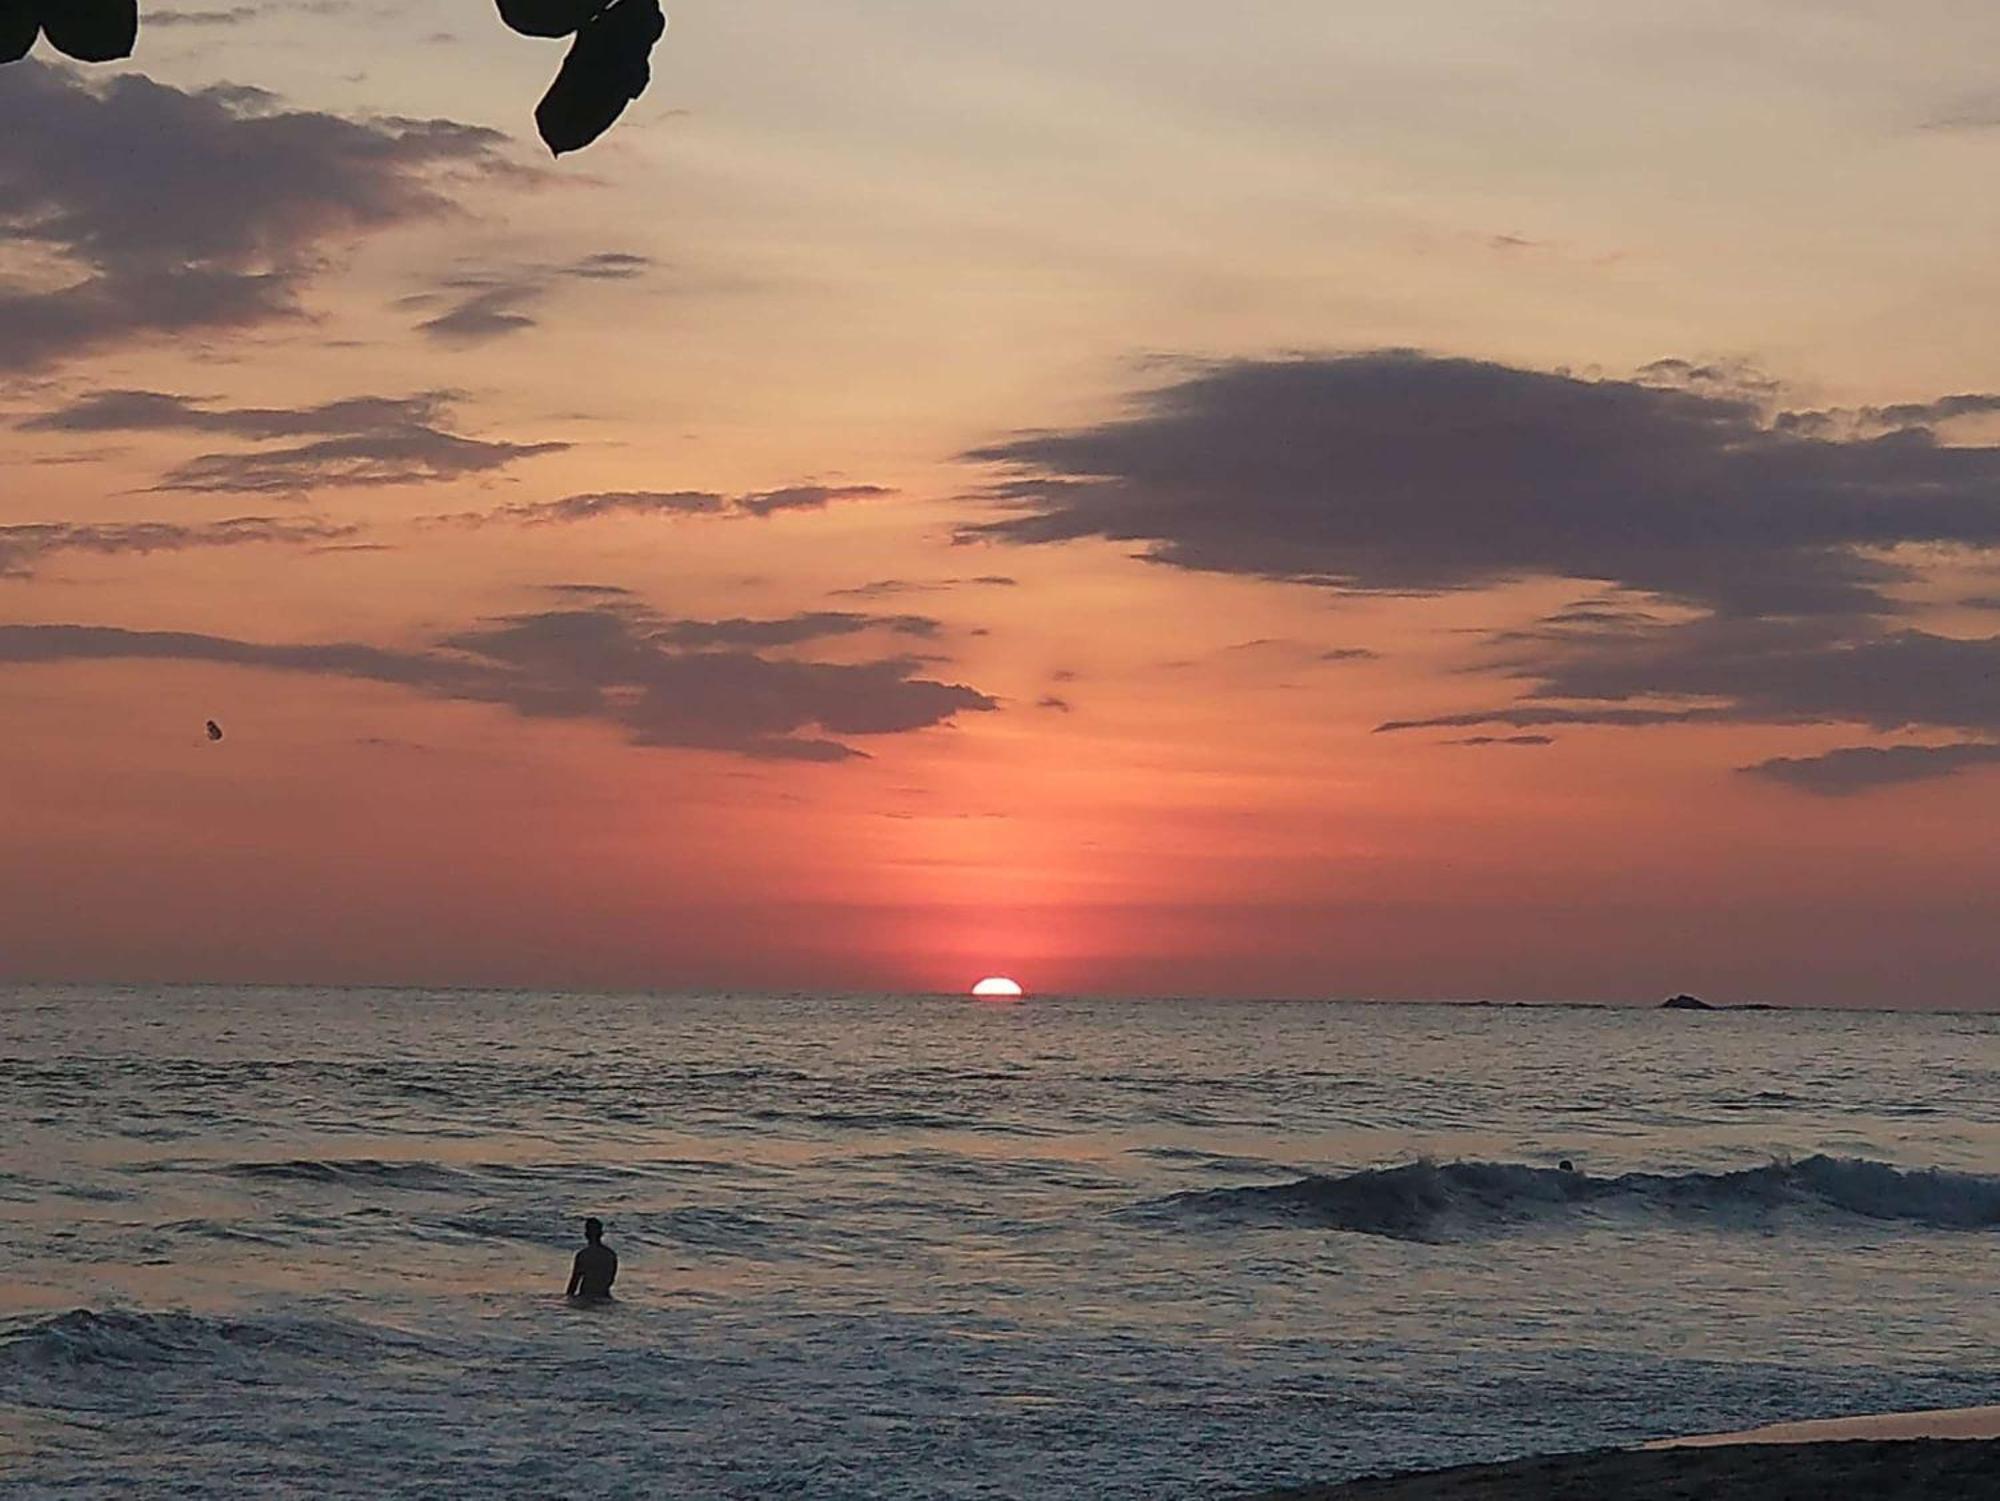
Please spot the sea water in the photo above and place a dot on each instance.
(293, 1242)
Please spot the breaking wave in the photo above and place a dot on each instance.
(128, 1339)
(1426, 1201)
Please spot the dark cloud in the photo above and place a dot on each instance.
(1726, 670)
(1400, 472)
(406, 456)
(792, 630)
(235, 15)
(24, 547)
(1531, 716)
(806, 498)
(1842, 773)
(589, 591)
(1521, 740)
(484, 315)
(614, 664)
(163, 412)
(1055, 702)
(596, 505)
(1349, 654)
(1740, 557)
(1978, 112)
(362, 441)
(612, 265)
(174, 212)
(883, 588)
(1721, 669)
(486, 305)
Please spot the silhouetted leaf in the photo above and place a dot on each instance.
(606, 70)
(91, 31)
(20, 24)
(549, 17)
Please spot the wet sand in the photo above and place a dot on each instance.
(1893, 1470)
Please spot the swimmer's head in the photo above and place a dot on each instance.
(593, 1230)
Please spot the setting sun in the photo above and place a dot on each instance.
(998, 988)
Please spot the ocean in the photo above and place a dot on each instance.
(310, 1243)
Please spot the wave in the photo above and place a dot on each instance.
(1426, 1201)
(351, 1173)
(130, 1338)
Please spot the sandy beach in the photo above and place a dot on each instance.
(1892, 1470)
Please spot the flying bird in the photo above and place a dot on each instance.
(214, 730)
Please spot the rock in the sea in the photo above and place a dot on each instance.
(1685, 1003)
(91, 31)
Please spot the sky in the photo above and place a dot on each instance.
(1300, 498)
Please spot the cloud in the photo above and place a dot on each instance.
(657, 680)
(1741, 560)
(883, 588)
(792, 630)
(121, 411)
(1522, 740)
(24, 547)
(1724, 670)
(1401, 472)
(589, 591)
(1842, 773)
(1055, 702)
(596, 505)
(488, 305)
(1976, 112)
(484, 315)
(611, 265)
(403, 456)
(358, 442)
(175, 212)
(1349, 654)
(805, 498)
(235, 15)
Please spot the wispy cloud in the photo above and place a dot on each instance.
(597, 505)
(663, 682)
(176, 212)
(480, 306)
(24, 548)
(1756, 558)
(359, 442)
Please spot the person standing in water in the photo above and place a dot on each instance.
(596, 1266)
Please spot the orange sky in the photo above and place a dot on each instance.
(926, 497)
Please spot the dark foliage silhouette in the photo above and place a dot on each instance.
(91, 31)
(609, 62)
(607, 68)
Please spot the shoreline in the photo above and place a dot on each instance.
(1945, 1455)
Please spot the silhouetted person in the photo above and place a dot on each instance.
(596, 1265)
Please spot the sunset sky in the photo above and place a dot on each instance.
(1302, 498)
